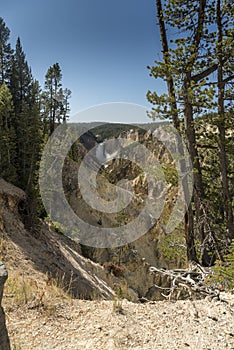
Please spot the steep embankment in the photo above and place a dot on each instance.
(42, 254)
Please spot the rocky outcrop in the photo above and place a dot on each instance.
(154, 248)
(4, 339)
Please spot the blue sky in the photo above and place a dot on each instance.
(102, 46)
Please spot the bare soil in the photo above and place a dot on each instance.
(80, 324)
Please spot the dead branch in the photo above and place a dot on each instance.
(186, 283)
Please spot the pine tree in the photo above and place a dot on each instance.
(5, 52)
(221, 48)
(172, 110)
(65, 107)
(55, 99)
(177, 69)
(21, 78)
(186, 67)
(7, 136)
(53, 84)
(225, 49)
(20, 85)
(28, 126)
(35, 138)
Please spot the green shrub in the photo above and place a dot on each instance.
(173, 249)
(223, 273)
(171, 174)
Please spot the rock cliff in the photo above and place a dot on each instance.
(155, 248)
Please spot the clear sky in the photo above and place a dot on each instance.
(102, 46)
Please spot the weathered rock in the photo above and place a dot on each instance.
(4, 339)
(150, 248)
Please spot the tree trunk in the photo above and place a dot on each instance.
(227, 202)
(198, 182)
(189, 220)
(190, 129)
(166, 57)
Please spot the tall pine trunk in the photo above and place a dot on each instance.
(188, 220)
(227, 202)
(198, 195)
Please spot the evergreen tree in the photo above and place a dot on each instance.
(65, 107)
(21, 78)
(187, 66)
(7, 136)
(27, 116)
(225, 50)
(20, 85)
(53, 84)
(28, 126)
(55, 99)
(35, 138)
(5, 52)
(173, 111)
